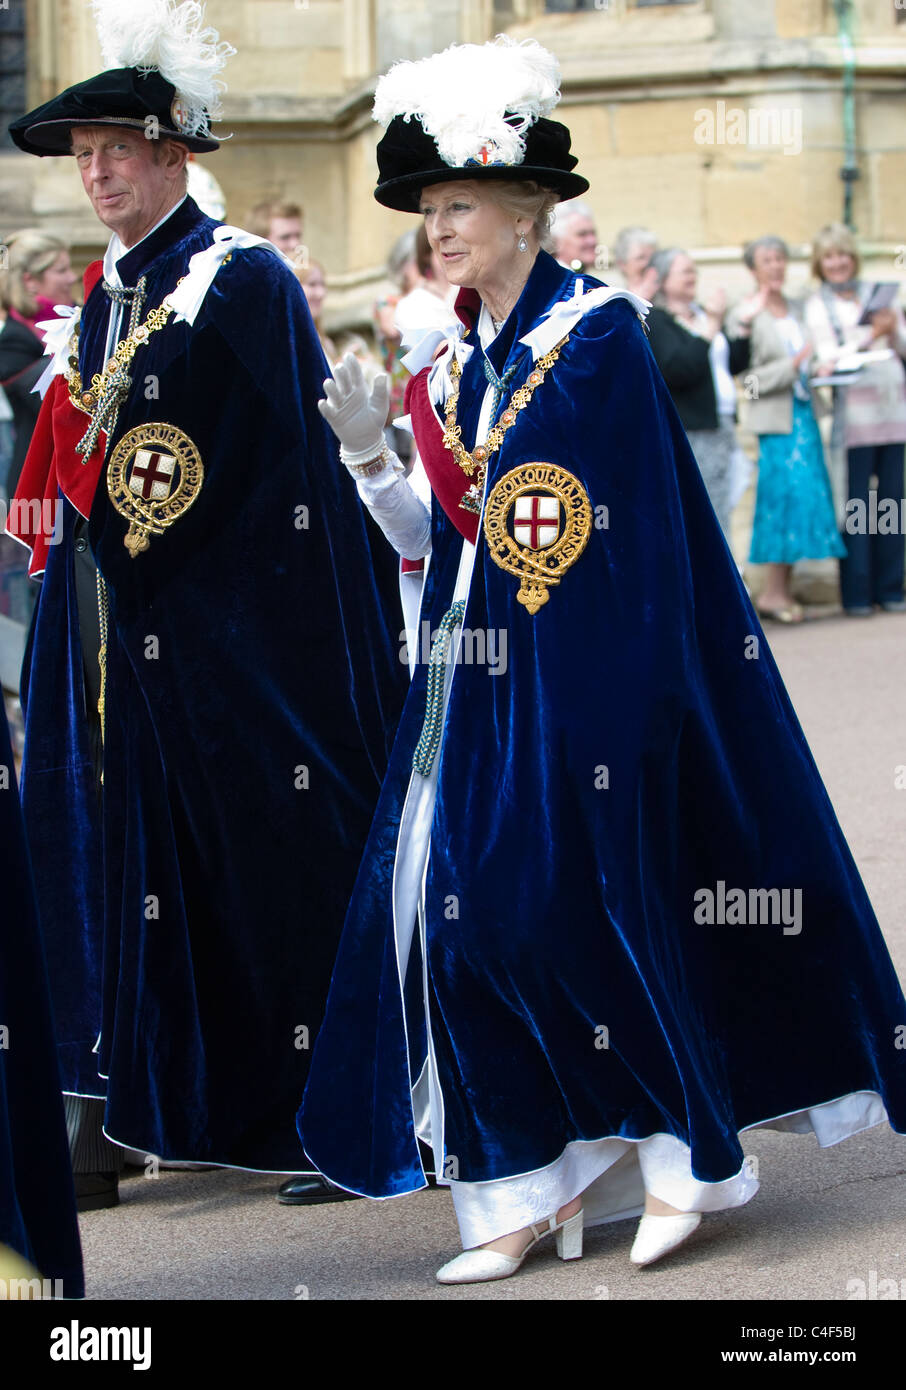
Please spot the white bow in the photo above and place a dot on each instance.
(57, 334)
(187, 298)
(566, 313)
(440, 382)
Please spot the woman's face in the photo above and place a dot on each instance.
(638, 258)
(475, 240)
(837, 266)
(55, 283)
(769, 268)
(315, 292)
(681, 279)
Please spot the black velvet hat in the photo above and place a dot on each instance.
(474, 111)
(408, 161)
(120, 96)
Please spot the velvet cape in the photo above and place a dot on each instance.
(37, 1202)
(638, 749)
(253, 681)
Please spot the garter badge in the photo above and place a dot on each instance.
(154, 475)
(179, 114)
(537, 523)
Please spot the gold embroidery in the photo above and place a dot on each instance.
(154, 475)
(539, 551)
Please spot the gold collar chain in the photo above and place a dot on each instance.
(87, 400)
(476, 462)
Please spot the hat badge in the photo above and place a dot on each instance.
(179, 114)
(487, 156)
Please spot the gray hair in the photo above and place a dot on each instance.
(629, 237)
(770, 243)
(565, 212)
(663, 262)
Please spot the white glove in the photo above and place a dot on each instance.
(356, 417)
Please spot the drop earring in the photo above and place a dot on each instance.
(522, 243)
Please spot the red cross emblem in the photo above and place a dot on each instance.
(152, 475)
(488, 154)
(536, 520)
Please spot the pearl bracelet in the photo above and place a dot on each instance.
(371, 466)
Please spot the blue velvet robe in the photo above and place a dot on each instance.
(37, 1203)
(576, 888)
(192, 918)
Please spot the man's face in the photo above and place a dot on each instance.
(286, 234)
(132, 182)
(578, 241)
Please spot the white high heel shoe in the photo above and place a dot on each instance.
(658, 1235)
(476, 1266)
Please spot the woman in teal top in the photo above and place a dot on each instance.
(794, 510)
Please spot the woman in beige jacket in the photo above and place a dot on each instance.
(794, 511)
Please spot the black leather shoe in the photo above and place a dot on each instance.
(96, 1190)
(304, 1189)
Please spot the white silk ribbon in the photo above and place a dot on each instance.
(566, 313)
(556, 323)
(187, 298)
(57, 334)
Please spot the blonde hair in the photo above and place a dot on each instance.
(302, 270)
(836, 236)
(30, 252)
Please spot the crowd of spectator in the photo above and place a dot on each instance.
(820, 378)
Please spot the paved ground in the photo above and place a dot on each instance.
(823, 1219)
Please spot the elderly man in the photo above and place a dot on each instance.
(212, 678)
(574, 236)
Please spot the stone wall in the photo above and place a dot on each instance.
(712, 121)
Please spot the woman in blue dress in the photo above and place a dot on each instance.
(605, 911)
(794, 508)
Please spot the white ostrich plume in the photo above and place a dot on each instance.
(163, 34)
(461, 96)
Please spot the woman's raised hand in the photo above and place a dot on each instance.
(356, 415)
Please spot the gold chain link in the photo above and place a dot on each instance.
(123, 354)
(477, 460)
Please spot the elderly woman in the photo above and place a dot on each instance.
(38, 277)
(536, 977)
(698, 362)
(794, 509)
(633, 252)
(869, 417)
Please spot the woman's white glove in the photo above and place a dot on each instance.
(356, 416)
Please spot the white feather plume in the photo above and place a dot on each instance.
(166, 35)
(460, 96)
